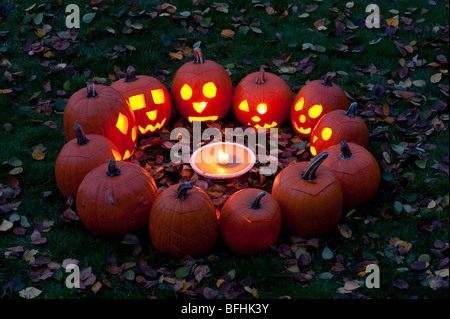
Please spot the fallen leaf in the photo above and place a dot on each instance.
(30, 293)
(435, 78)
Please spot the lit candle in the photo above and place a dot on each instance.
(224, 158)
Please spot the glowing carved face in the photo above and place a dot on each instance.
(199, 101)
(303, 116)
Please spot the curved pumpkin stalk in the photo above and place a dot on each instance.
(182, 190)
(328, 79)
(256, 203)
(345, 151)
(81, 138)
(309, 173)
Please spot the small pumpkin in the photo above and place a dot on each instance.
(102, 110)
(262, 100)
(202, 90)
(183, 221)
(116, 198)
(315, 99)
(310, 197)
(250, 221)
(79, 156)
(357, 171)
(337, 126)
(148, 98)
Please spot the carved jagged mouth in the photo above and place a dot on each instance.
(266, 125)
(151, 128)
(204, 118)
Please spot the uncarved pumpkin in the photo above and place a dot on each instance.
(79, 156)
(250, 221)
(183, 221)
(315, 99)
(357, 171)
(262, 100)
(202, 90)
(102, 110)
(148, 98)
(116, 198)
(337, 126)
(310, 197)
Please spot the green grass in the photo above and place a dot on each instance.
(93, 51)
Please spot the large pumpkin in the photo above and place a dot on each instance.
(202, 90)
(250, 221)
(148, 98)
(102, 110)
(337, 126)
(310, 197)
(116, 198)
(79, 156)
(183, 221)
(315, 99)
(262, 100)
(357, 171)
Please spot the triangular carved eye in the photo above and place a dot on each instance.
(209, 90)
(186, 92)
(152, 115)
(158, 96)
(243, 106)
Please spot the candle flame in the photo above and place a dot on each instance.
(223, 157)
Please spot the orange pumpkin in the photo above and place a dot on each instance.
(310, 197)
(357, 171)
(314, 100)
(337, 126)
(250, 221)
(183, 221)
(116, 198)
(102, 110)
(149, 99)
(263, 103)
(78, 157)
(202, 90)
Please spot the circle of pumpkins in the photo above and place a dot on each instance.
(114, 196)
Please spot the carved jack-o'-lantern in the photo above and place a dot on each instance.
(102, 110)
(202, 90)
(262, 100)
(314, 100)
(337, 126)
(148, 98)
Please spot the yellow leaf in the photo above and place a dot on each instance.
(38, 155)
(435, 78)
(227, 33)
(220, 282)
(393, 22)
(40, 32)
(49, 54)
(176, 55)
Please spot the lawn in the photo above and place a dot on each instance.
(398, 75)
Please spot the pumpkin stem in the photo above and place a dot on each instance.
(198, 56)
(182, 190)
(260, 79)
(328, 79)
(112, 169)
(81, 138)
(130, 75)
(345, 151)
(351, 112)
(256, 204)
(91, 92)
(309, 173)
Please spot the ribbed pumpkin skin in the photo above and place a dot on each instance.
(329, 97)
(111, 206)
(344, 128)
(246, 230)
(99, 115)
(75, 161)
(308, 208)
(183, 227)
(359, 175)
(144, 85)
